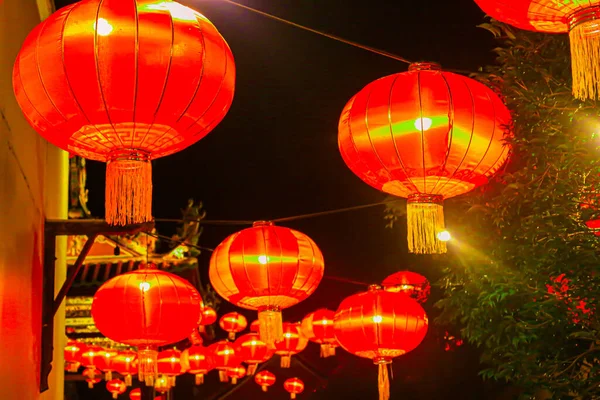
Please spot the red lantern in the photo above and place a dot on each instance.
(135, 394)
(198, 361)
(265, 379)
(225, 355)
(266, 268)
(380, 325)
(578, 18)
(146, 308)
(209, 316)
(426, 135)
(125, 363)
(233, 323)
(92, 376)
(104, 362)
(91, 358)
(73, 351)
(253, 351)
(162, 385)
(318, 328)
(293, 343)
(125, 82)
(169, 365)
(410, 283)
(255, 326)
(235, 373)
(293, 386)
(116, 387)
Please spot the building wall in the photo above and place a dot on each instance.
(32, 186)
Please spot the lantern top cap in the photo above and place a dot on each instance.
(262, 223)
(148, 266)
(374, 288)
(424, 66)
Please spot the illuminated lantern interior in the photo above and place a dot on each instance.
(233, 323)
(253, 351)
(225, 355)
(235, 373)
(198, 361)
(318, 328)
(293, 386)
(116, 387)
(265, 379)
(293, 342)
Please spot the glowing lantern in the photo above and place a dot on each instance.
(408, 282)
(209, 316)
(116, 387)
(91, 357)
(253, 351)
(265, 379)
(579, 18)
(125, 82)
(384, 140)
(73, 351)
(235, 373)
(104, 362)
(169, 365)
(198, 361)
(162, 384)
(318, 328)
(266, 268)
(146, 308)
(135, 394)
(92, 376)
(125, 363)
(225, 355)
(293, 386)
(255, 326)
(233, 323)
(293, 343)
(380, 325)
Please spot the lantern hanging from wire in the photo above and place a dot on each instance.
(169, 364)
(380, 325)
(426, 135)
(235, 373)
(155, 308)
(116, 387)
(209, 316)
(293, 386)
(265, 379)
(125, 363)
(318, 328)
(253, 351)
(580, 19)
(408, 282)
(233, 323)
(225, 355)
(198, 361)
(124, 82)
(266, 268)
(293, 343)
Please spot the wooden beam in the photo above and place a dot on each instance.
(72, 227)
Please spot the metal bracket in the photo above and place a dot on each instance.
(92, 228)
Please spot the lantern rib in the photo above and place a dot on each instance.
(424, 171)
(298, 266)
(218, 270)
(176, 287)
(136, 72)
(309, 280)
(268, 263)
(245, 264)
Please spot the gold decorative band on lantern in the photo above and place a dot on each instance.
(270, 325)
(425, 220)
(424, 198)
(128, 187)
(583, 15)
(262, 223)
(381, 360)
(424, 66)
(374, 288)
(584, 35)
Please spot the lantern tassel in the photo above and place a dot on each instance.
(251, 369)
(324, 350)
(90, 384)
(270, 323)
(292, 395)
(108, 376)
(147, 366)
(128, 380)
(265, 388)
(232, 336)
(115, 395)
(331, 351)
(234, 380)
(425, 219)
(585, 60)
(199, 379)
(384, 382)
(223, 375)
(285, 362)
(128, 190)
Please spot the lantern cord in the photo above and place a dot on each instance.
(344, 280)
(206, 221)
(178, 242)
(327, 35)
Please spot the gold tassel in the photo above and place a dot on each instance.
(324, 350)
(285, 362)
(331, 351)
(584, 35)
(108, 376)
(232, 336)
(425, 219)
(270, 323)
(128, 380)
(265, 388)
(199, 379)
(128, 190)
(251, 370)
(90, 384)
(234, 380)
(292, 395)
(147, 366)
(115, 395)
(384, 382)
(223, 376)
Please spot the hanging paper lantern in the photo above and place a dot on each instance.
(265, 379)
(426, 135)
(293, 343)
(253, 351)
(410, 283)
(209, 316)
(579, 18)
(293, 386)
(73, 351)
(125, 82)
(135, 394)
(155, 308)
(92, 376)
(380, 325)
(162, 385)
(198, 361)
(104, 362)
(233, 323)
(235, 373)
(91, 358)
(255, 326)
(318, 328)
(225, 355)
(116, 387)
(170, 365)
(125, 363)
(266, 268)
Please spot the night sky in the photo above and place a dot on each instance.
(275, 155)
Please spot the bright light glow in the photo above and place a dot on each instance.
(406, 287)
(444, 236)
(262, 259)
(196, 357)
(324, 321)
(103, 27)
(377, 319)
(288, 335)
(144, 286)
(173, 359)
(226, 351)
(253, 343)
(423, 124)
(127, 359)
(178, 11)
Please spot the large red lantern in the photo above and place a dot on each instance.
(293, 386)
(426, 135)
(318, 328)
(125, 82)
(146, 308)
(410, 283)
(380, 325)
(198, 361)
(265, 379)
(266, 268)
(225, 355)
(233, 323)
(293, 342)
(253, 351)
(579, 18)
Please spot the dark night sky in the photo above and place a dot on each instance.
(275, 155)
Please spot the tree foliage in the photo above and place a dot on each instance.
(521, 279)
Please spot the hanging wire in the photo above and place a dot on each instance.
(178, 242)
(327, 35)
(339, 210)
(344, 280)
(206, 221)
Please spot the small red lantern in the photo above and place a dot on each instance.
(293, 386)
(235, 373)
(91, 358)
(318, 328)
(92, 376)
(155, 308)
(198, 361)
(408, 282)
(170, 365)
(233, 323)
(135, 394)
(162, 384)
(125, 82)
(73, 351)
(265, 379)
(116, 387)
(125, 363)
(579, 18)
(380, 325)
(293, 343)
(426, 135)
(104, 362)
(266, 268)
(209, 316)
(225, 355)
(253, 351)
